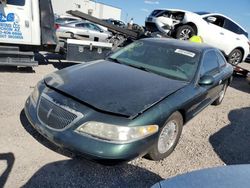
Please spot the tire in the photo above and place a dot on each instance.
(160, 151)
(235, 57)
(185, 32)
(219, 100)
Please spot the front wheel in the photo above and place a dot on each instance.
(168, 138)
(235, 57)
(185, 32)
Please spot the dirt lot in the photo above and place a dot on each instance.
(217, 136)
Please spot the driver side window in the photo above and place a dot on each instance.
(210, 65)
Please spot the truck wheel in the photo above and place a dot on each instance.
(185, 32)
(168, 138)
(235, 57)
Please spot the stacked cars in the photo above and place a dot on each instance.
(84, 29)
(215, 29)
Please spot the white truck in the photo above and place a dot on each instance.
(27, 26)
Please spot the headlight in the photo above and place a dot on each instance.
(115, 133)
(35, 95)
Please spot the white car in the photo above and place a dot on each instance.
(215, 29)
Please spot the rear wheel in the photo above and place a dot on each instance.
(235, 57)
(168, 138)
(185, 32)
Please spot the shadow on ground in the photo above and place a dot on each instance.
(240, 83)
(232, 143)
(79, 172)
(53, 59)
(82, 173)
(16, 69)
(10, 159)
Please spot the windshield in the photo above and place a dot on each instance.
(169, 61)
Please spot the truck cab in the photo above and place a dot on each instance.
(26, 26)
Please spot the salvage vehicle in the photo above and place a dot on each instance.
(132, 104)
(118, 23)
(84, 29)
(215, 29)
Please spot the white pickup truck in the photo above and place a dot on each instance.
(27, 26)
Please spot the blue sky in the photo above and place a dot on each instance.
(238, 10)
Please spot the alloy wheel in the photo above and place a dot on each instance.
(185, 34)
(167, 137)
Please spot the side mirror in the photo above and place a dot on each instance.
(211, 19)
(206, 80)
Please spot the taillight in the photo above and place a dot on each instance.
(57, 26)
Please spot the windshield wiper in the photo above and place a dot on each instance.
(114, 60)
(134, 66)
(139, 67)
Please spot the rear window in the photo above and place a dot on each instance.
(229, 25)
(16, 2)
(242, 32)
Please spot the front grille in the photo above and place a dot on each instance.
(55, 115)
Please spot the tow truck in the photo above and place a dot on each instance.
(27, 27)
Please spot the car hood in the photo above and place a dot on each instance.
(113, 87)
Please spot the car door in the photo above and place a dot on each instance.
(16, 22)
(215, 34)
(83, 30)
(205, 94)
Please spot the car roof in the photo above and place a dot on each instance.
(199, 47)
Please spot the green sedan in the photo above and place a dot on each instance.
(132, 104)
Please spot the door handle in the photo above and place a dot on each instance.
(237, 39)
(220, 82)
(221, 33)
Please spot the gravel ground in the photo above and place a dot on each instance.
(217, 136)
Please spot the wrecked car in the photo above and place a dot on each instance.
(215, 29)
